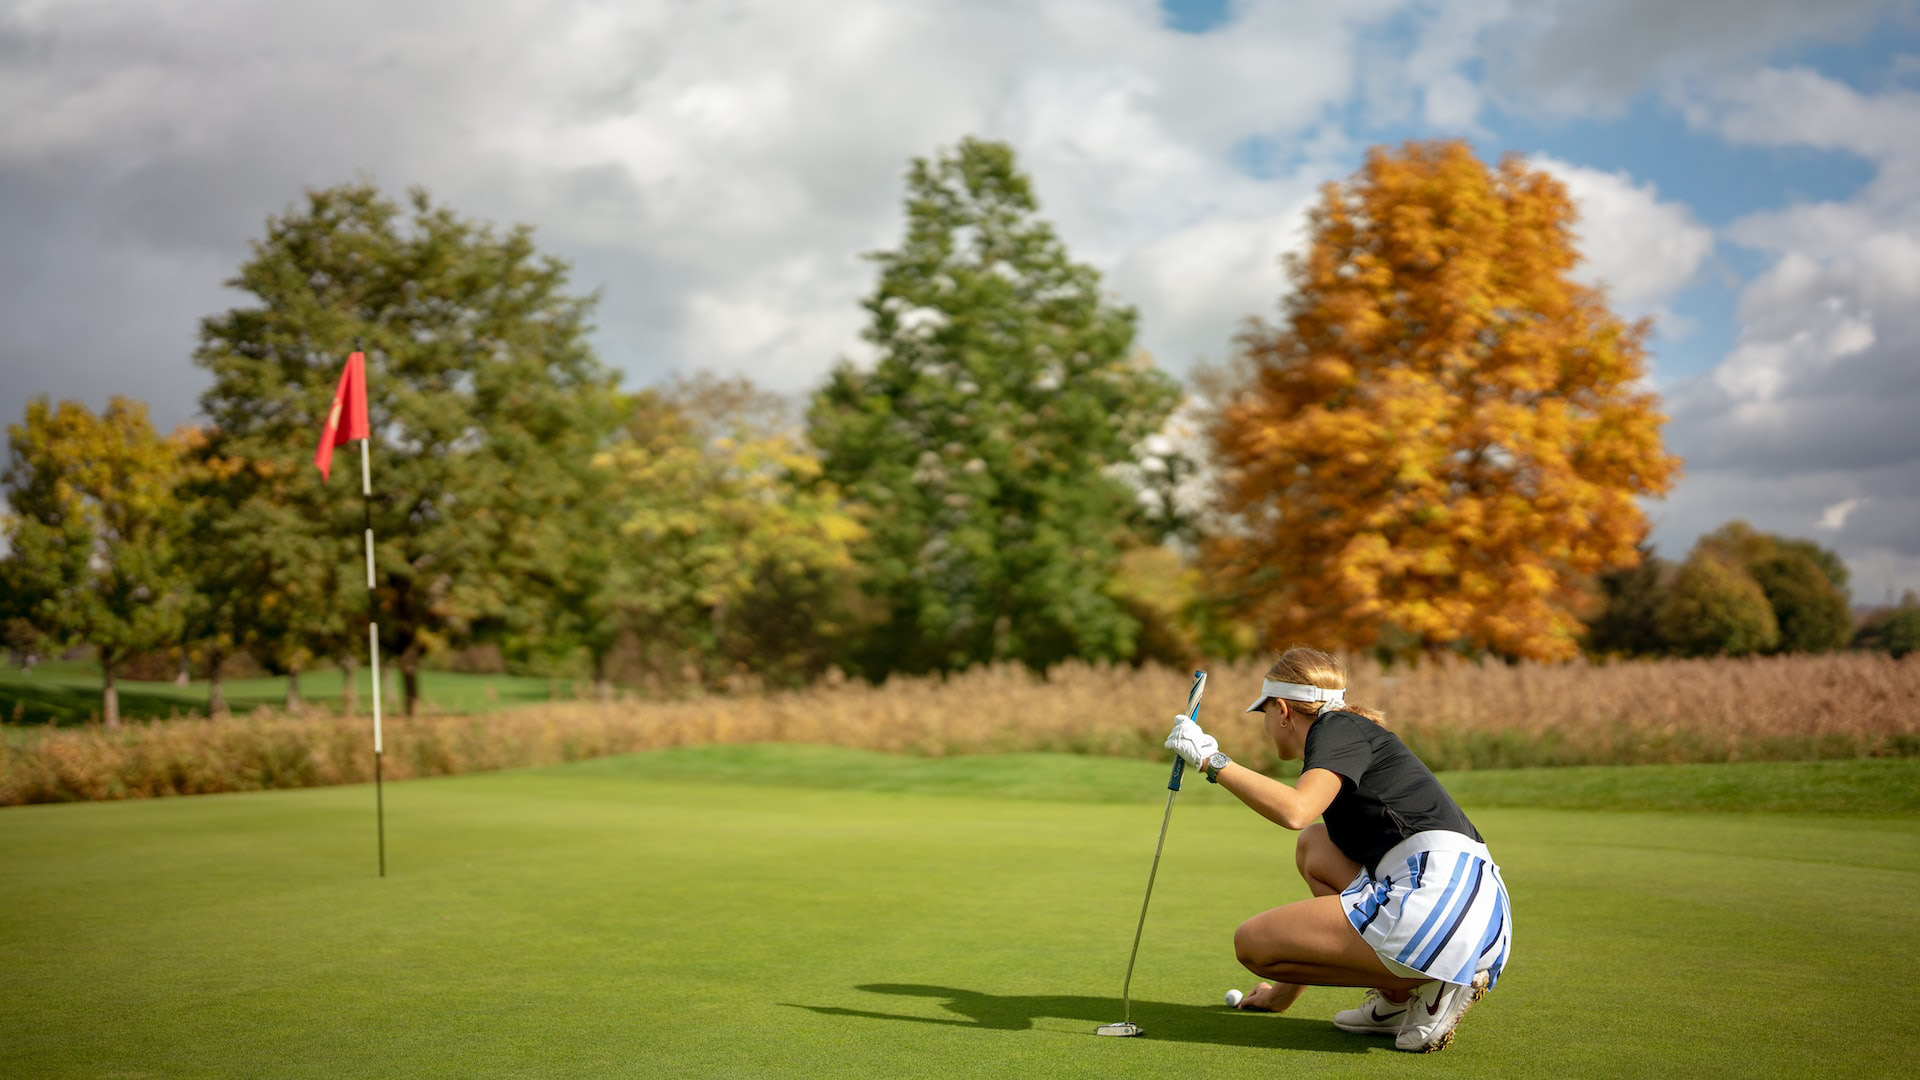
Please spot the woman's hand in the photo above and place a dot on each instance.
(1190, 742)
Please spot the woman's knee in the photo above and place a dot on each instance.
(1249, 947)
(1312, 839)
(1314, 855)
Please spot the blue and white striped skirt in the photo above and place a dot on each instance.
(1435, 909)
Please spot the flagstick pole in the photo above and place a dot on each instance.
(373, 649)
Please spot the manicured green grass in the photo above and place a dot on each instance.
(68, 692)
(794, 911)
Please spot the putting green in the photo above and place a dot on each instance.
(706, 913)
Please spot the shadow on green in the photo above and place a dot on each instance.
(1215, 1025)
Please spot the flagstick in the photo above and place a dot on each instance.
(373, 649)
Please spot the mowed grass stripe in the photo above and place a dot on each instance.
(633, 917)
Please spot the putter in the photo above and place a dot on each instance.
(1126, 1026)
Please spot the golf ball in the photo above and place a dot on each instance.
(1233, 998)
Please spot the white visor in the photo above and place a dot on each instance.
(1293, 691)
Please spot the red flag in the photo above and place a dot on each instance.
(347, 419)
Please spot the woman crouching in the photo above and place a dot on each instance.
(1407, 901)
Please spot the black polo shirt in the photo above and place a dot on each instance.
(1386, 794)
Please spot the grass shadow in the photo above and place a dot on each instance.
(1214, 1024)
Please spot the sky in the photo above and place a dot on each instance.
(1747, 171)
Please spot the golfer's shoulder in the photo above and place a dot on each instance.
(1340, 727)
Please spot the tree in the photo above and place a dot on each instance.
(1444, 438)
(91, 531)
(482, 391)
(1715, 608)
(1805, 585)
(1894, 630)
(1629, 620)
(979, 443)
(734, 558)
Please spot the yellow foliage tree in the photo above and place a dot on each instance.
(1445, 436)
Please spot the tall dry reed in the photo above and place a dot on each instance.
(1456, 715)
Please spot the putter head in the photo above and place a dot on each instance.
(1122, 1029)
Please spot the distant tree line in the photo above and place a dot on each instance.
(1742, 592)
(1438, 447)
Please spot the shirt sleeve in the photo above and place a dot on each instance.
(1338, 745)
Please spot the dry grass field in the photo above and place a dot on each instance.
(1455, 715)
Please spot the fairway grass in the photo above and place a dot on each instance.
(776, 911)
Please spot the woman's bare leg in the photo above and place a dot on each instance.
(1325, 868)
(1311, 943)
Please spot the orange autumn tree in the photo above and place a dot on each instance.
(1444, 437)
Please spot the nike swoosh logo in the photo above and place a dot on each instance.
(1433, 1009)
(1377, 1018)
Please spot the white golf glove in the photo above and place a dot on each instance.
(1190, 742)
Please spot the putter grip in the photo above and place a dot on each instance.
(1193, 712)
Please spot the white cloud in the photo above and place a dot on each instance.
(1808, 422)
(718, 168)
(1642, 250)
(1835, 516)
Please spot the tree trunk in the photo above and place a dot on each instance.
(602, 686)
(216, 691)
(109, 695)
(184, 675)
(410, 679)
(293, 690)
(349, 686)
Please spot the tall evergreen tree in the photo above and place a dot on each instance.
(483, 393)
(981, 441)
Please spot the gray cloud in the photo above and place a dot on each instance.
(1579, 56)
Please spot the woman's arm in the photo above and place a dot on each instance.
(1294, 807)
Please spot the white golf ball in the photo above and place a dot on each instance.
(1233, 998)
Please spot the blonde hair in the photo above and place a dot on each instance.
(1312, 667)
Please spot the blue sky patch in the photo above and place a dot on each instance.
(1195, 16)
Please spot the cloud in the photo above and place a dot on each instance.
(715, 170)
(1835, 516)
(1642, 250)
(1567, 56)
(1808, 421)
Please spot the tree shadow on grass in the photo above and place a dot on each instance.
(70, 705)
(1215, 1024)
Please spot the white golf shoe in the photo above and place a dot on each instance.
(1375, 1016)
(1433, 1012)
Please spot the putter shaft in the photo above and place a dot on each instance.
(1173, 789)
(1126, 988)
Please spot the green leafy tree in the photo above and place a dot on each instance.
(1805, 585)
(735, 559)
(482, 393)
(1894, 630)
(980, 444)
(1716, 608)
(91, 531)
(1628, 623)
(212, 553)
